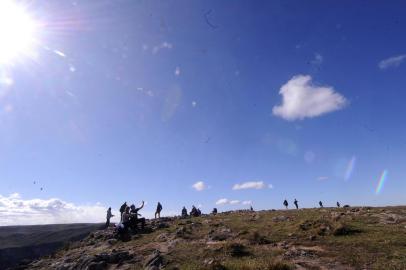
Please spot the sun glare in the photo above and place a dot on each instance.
(17, 32)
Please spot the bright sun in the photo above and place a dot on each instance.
(17, 32)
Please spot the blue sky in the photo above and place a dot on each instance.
(139, 100)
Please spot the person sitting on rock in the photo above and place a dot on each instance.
(285, 203)
(338, 204)
(184, 212)
(321, 204)
(134, 219)
(108, 217)
(214, 211)
(122, 209)
(296, 204)
(158, 210)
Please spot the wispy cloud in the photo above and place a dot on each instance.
(225, 201)
(322, 178)
(392, 62)
(317, 60)
(251, 185)
(163, 45)
(199, 186)
(14, 210)
(222, 201)
(302, 99)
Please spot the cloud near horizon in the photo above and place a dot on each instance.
(392, 62)
(14, 210)
(251, 185)
(225, 201)
(302, 99)
(199, 186)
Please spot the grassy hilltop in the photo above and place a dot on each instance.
(329, 238)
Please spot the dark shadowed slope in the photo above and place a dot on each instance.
(24, 243)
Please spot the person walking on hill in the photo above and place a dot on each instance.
(296, 204)
(122, 209)
(158, 210)
(338, 204)
(286, 204)
(321, 204)
(108, 217)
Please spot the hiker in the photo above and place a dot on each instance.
(214, 211)
(285, 203)
(184, 212)
(109, 215)
(158, 210)
(122, 209)
(194, 212)
(251, 209)
(338, 204)
(296, 204)
(125, 218)
(321, 204)
(134, 220)
(199, 213)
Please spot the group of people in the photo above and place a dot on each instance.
(296, 203)
(129, 216)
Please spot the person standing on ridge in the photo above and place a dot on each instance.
(122, 209)
(108, 217)
(338, 204)
(296, 204)
(158, 210)
(321, 204)
(286, 204)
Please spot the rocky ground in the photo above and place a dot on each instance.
(329, 238)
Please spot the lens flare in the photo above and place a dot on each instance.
(350, 168)
(381, 182)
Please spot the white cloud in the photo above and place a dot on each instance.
(234, 202)
(199, 186)
(14, 210)
(251, 185)
(322, 178)
(222, 201)
(392, 62)
(246, 202)
(303, 99)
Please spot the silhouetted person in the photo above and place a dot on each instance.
(122, 209)
(194, 212)
(108, 217)
(214, 211)
(184, 212)
(286, 204)
(251, 209)
(338, 204)
(321, 204)
(158, 210)
(296, 204)
(199, 213)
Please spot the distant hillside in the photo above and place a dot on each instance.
(328, 238)
(25, 243)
